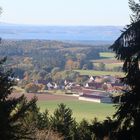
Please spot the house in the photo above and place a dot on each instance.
(76, 89)
(94, 85)
(69, 85)
(91, 79)
(50, 86)
(65, 82)
(87, 85)
(55, 86)
(99, 79)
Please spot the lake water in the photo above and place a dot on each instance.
(104, 33)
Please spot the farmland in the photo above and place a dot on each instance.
(107, 54)
(99, 73)
(109, 61)
(81, 109)
(109, 65)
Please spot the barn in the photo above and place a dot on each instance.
(95, 96)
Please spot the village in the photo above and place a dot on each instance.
(100, 89)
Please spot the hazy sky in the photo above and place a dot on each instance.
(66, 12)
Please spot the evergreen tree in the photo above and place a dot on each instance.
(83, 131)
(63, 122)
(127, 49)
(12, 109)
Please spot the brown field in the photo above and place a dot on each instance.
(45, 96)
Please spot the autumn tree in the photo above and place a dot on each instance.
(32, 87)
(69, 64)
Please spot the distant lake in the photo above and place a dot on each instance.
(104, 33)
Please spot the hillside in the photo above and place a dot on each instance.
(42, 55)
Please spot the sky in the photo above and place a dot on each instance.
(66, 12)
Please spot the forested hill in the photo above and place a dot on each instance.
(80, 33)
(43, 55)
(29, 47)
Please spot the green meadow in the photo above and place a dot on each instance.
(109, 65)
(107, 54)
(99, 73)
(81, 109)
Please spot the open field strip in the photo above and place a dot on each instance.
(109, 65)
(107, 54)
(99, 73)
(113, 65)
(108, 61)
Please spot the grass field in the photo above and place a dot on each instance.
(81, 109)
(107, 54)
(99, 73)
(109, 65)
(107, 60)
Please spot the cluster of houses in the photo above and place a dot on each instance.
(99, 89)
(107, 83)
(96, 89)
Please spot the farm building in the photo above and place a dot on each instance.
(95, 96)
